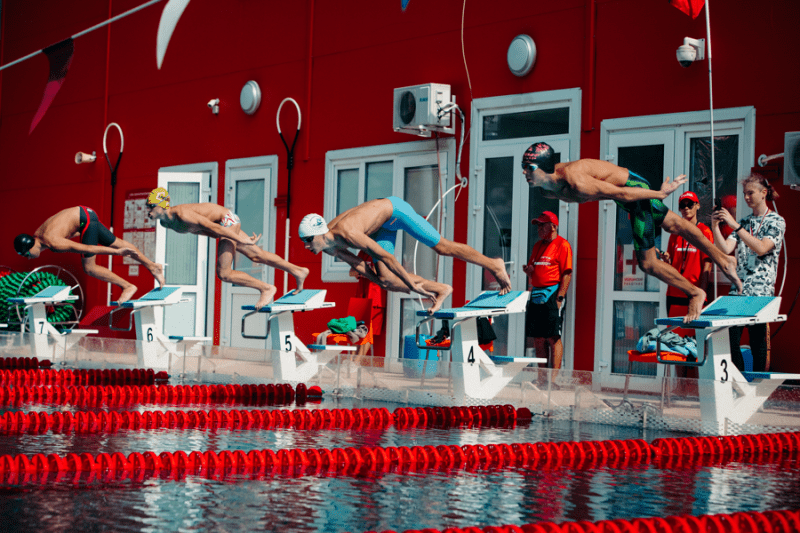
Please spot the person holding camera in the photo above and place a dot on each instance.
(757, 240)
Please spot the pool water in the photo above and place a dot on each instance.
(397, 500)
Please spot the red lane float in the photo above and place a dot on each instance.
(21, 362)
(338, 461)
(66, 377)
(744, 522)
(484, 415)
(114, 395)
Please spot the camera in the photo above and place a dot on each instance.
(717, 203)
(690, 51)
(686, 55)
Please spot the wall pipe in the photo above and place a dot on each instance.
(309, 75)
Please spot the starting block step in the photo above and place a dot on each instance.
(509, 359)
(732, 311)
(51, 294)
(486, 304)
(295, 301)
(750, 376)
(337, 347)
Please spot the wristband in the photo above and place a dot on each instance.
(737, 229)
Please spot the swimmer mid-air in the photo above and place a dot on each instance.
(588, 180)
(95, 239)
(372, 227)
(218, 222)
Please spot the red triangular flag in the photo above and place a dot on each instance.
(60, 56)
(690, 7)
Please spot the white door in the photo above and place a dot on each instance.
(631, 300)
(250, 186)
(503, 209)
(186, 256)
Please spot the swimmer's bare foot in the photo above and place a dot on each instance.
(266, 296)
(500, 274)
(441, 295)
(299, 277)
(158, 272)
(695, 306)
(127, 294)
(729, 269)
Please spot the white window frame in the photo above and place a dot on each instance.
(400, 155)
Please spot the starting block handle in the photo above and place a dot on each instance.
(111, 319)
(256, 337)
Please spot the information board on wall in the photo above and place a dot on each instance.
(138, 229)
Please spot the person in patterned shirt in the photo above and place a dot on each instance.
(757, 240)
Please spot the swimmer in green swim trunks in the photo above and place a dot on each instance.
(587, 180)
(372, 227)
(218, 222)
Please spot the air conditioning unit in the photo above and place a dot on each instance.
(420, 109)
(791, 159)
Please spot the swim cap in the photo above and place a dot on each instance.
(312, 224)
(541, 155)
(23, 242)
(160, 197)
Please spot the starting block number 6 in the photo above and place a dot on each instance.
(149, 334)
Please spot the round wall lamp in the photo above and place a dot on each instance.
(521, 55)
(250, 97)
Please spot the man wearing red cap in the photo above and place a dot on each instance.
(693, 264)
(549, 271)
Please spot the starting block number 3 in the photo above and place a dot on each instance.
(724, 365)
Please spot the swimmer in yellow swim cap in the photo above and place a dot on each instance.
(160, 197)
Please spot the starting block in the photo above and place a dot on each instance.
(284, 344)
(148, 330)
(41, 330)
(725, 392)
(476, 374)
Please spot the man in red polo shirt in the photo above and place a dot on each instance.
(549, 271)
(693, 264)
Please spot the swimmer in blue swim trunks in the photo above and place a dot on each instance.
(218, 222)
(372, 227)
(587, 180)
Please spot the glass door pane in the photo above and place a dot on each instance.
(250, 209)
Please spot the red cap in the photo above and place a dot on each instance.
(547, 216)
(689, 195)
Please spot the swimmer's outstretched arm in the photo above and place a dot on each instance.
(359, 265)
(597, 189)
(190, 217)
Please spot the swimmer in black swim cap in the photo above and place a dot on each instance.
(23, 244)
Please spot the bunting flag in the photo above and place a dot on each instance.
(690, 7)
(60, 57)
(169, 19)
(404, 4)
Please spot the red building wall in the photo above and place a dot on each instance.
(340, 61)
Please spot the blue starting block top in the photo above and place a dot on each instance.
(156, 295)
(295, 301)
(487, 303)
(53, 293)
(732, 311)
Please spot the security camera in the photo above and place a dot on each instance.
(690, 51)
(213, 105)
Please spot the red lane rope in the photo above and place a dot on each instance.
(66, 377)
(782, 521)
(19, 362)
(21, 468)
(134, 394)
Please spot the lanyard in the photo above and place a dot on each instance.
(759, 225)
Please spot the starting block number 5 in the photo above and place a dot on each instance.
(287, 342)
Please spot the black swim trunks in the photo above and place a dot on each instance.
(92, 231)
(646, 215)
